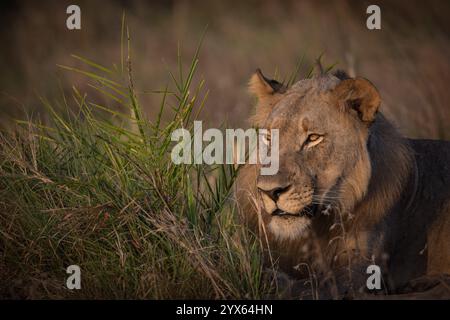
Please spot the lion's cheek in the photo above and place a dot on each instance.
(328, 178)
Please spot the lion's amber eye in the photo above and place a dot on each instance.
(312, 140)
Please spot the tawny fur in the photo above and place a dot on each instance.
(393, 201)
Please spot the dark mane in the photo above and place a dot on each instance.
(341, 75)
(390, 170)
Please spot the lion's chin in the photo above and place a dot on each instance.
(288, 227)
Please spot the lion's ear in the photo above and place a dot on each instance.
(268, 92)
(263, 87)
(360, 95)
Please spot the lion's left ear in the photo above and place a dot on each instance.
(360, 95)
(268, 92)
(263, 87)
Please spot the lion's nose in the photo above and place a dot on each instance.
(274, 193)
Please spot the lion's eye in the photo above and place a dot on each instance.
(313, 140)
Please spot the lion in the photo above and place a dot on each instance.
(350, 191)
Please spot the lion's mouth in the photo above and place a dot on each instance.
(308, 211)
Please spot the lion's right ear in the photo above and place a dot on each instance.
(268, 92)
(360, 95)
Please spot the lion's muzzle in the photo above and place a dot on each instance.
(281, 199)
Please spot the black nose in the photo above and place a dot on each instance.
(275, 193)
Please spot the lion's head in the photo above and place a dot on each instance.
(324, 162)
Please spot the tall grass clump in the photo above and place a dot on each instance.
(95, 186)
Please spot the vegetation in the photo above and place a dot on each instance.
(96, 187)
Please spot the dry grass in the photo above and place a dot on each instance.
(99, 190)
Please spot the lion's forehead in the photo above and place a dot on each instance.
(307, 99)
(321, 83)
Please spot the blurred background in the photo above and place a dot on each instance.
(408, 59)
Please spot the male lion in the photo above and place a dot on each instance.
(350, 190)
